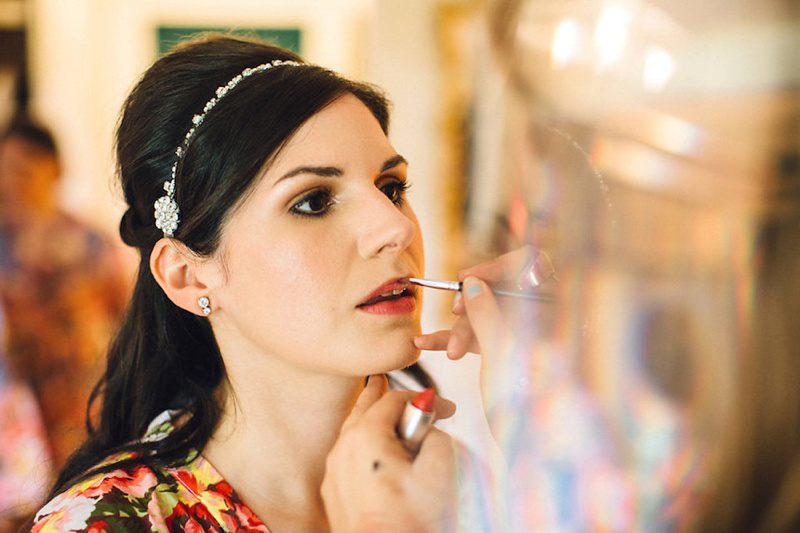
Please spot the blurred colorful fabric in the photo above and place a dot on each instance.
(24, 457)
(63, 290)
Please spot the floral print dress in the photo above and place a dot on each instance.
(193, 497)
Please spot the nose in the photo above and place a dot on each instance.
(384, 227)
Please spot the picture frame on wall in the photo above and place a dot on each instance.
(287, 37)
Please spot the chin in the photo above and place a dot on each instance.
(384, 351)
(398, 360)
(408, 357)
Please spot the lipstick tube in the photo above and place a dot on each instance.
(417, 419)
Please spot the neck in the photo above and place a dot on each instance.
(289, 425)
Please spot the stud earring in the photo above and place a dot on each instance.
(205, 305)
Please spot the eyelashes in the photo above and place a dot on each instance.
(395, 190)
(319, 201)
(315, 203)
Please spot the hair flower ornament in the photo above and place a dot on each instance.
(167, 213)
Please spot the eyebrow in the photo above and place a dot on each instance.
(393, 162)
(330, 172)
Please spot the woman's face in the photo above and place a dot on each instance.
(305, 258)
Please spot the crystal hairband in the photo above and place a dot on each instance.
(167, 213)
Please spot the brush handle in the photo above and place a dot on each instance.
(458, 286)
(524, 295)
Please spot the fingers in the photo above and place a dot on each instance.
(523, 268)
(437, 444)
(387, 410)
(433, 341)
(484, 315)
(458, 304)
(462, 339)
(444, 408)
(457, 341)
(376, 387)
(479, 310)
(433, 473)
(378, 409)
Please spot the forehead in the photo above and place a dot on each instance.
(343, 129)
(344, 136)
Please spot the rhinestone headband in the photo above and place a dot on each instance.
(167, 214)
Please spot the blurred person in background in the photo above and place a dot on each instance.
(61, 283)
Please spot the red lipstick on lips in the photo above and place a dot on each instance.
(392, 298)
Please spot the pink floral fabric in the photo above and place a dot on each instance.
(190, 498)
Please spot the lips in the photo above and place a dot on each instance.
(392, 290)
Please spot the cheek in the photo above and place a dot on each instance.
(417, 247)
(290, 276)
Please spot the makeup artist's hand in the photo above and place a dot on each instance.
(480, 325)
(371, 481)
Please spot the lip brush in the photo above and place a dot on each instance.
(457, 286)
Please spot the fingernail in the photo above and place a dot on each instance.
(473, 289)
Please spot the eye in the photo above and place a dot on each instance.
(314, 204)
(395, 190)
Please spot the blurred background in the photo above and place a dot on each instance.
(649, 147)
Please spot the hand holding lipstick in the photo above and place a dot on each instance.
(373, 483)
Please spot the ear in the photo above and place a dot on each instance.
(176, 269)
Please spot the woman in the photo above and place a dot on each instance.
(272, 282)
(62, 302)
